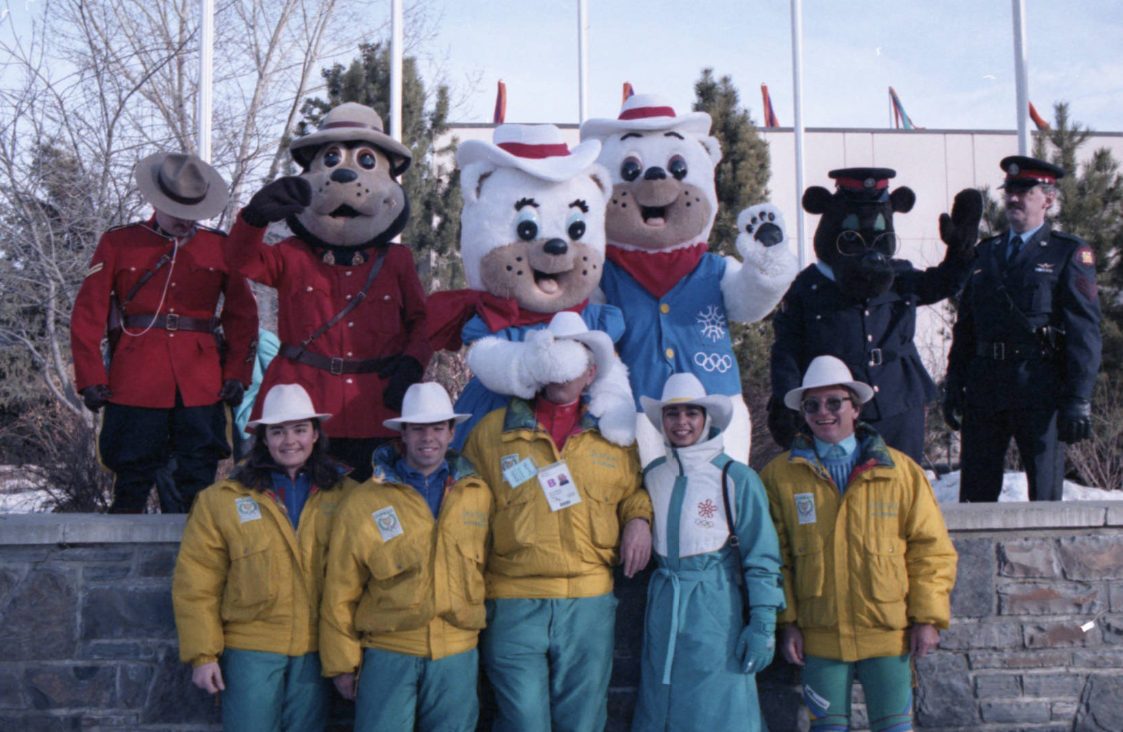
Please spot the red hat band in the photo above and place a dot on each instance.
(535, 152)
(645, 112)
(1036, 175)
(862, 184)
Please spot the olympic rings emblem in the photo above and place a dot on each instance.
(713, 361)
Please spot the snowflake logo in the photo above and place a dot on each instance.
(707, 509)
(712, 321)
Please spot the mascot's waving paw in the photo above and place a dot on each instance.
(960, 231)
(762, 242)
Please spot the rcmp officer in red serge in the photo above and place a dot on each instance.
(1026, 345)
(157, 284)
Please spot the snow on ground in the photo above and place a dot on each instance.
(17, 494)
(1015, 487)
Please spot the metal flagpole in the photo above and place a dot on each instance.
(396, 69)
(206, 77)
(582, 59)
(1021, 75)
(797, 92)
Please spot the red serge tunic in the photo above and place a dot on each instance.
(390, 320)
(147, 369)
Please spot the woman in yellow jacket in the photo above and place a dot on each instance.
(868, 565)
(248, 579)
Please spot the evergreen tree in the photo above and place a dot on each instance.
(433, 189)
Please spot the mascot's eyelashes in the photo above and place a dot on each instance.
(631, 168)
(525, 202)
(677, 166)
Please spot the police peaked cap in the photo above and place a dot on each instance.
(1023, 172)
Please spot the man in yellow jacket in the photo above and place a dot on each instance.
(404, 595)
(868, 565)
(562, 493)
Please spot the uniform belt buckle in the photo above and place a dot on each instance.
(999, 351)
(171, 321)
(875, 357)
(336, 366)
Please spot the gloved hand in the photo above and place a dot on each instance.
(1075, 421)
(95, 397)
(782, 423)
(278, 200)
(402, 372)
(232, 392)
(954, 401)
(960, 231)
(758, 640)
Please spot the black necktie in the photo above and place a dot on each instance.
(1013, 248)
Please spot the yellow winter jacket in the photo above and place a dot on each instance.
(541, 553)
(860, 567)
(244, 579)
(400, 581)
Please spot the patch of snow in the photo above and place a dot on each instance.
(1015, 487)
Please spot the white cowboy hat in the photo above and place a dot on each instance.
(287, 403)
(182, 185)
(687, 389)
(425, 403)
(352, 121)
(569, 325)
(827, 371)
(644, 113)
(535, 149)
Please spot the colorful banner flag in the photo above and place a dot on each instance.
(500, 104)
(769, 113)
(1037, 118)
(628, 92)
(901, 120)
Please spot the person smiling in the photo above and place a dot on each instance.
(868, 565)
(404, 598)
(711, 532)
(248, 579)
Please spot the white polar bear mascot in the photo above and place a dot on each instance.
(677, 297)
(532, 241)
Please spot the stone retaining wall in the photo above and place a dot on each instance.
(87, 639)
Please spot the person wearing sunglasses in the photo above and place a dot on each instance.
(867, 562)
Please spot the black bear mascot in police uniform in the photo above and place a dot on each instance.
(859, 304)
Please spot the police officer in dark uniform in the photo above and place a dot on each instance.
(1026, 345)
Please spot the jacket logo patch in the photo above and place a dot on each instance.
(805, 508)
(386, 519)
(602, 459)
(707, 508)
(93, 270)
(886, 509)
(248, 510)
(475, 518)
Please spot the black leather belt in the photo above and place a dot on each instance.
(334, 366)
(171, 322)
(1011, 351)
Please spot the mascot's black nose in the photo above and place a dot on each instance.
(556, 246)
(769, 234)
(343, 175)
(655, 173)
(874, 258)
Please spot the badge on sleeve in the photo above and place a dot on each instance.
(248, 510)
(94, 269)
(386, 519)
(805, 508)
(1086, 256)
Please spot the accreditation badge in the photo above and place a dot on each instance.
(805, 508)
(248, 510)
(557, 483)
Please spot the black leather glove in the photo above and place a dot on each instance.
(1075, 421)
(954, 401)
(960, 231)
(277, 201)
(232, 392)
(402, 372)
(783, 423)
(95, 397)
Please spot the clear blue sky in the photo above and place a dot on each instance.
(951, 61)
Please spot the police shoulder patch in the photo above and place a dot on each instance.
(1084, 255)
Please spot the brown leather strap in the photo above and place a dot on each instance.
(171, 322)
(334, 366)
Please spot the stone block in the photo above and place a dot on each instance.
(159, 563)
(1052, 685)
(1064, 711)
(970, 635)
(9, 578)
(95, 554)
(1009, 660)
(1112, 631)
(973, 594)
(1028, 558)
(133, 682)
(41, 723)
(39, 622)
(1059, 635)
(105, 573)
(113, 613)
(1098, 659)
(20, 554)
(174, 700)
(1100, 709)
(988, 686)
(1054, 598)
(945, 696)
(1092, 557)
(62, 687)
(114, 651)
(11, 691)
(1116, 593)
(1021, 712)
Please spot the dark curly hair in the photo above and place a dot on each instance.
(255, 471)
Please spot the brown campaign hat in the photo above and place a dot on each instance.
(182, 185)
(352, 121)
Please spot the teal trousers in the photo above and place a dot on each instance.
(549, 662)
(887, 683)
(272, 692)
(400, 693)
